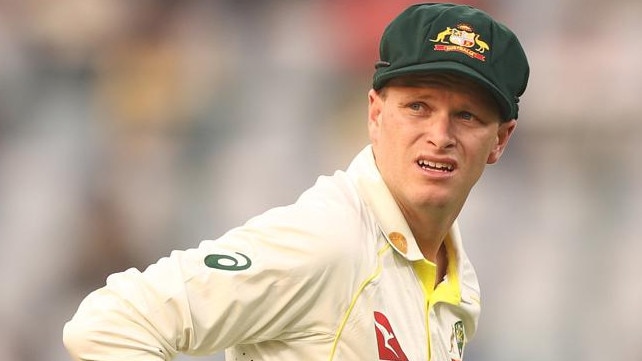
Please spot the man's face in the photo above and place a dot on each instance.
(432, 142)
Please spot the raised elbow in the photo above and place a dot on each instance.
(75, 338)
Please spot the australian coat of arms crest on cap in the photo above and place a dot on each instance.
(462, 38)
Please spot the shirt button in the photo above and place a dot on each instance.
(399, 241)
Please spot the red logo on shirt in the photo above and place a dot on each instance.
(389, 348)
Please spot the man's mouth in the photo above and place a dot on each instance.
(436, 166)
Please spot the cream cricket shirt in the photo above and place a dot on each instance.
(335, 276)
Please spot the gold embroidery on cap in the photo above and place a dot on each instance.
(462, 39)
(399, 241)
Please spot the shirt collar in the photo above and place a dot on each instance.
(363, 170)
(374, 192)
(378, 198)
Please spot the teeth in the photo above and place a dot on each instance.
(435, 165)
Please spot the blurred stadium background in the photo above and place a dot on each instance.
(131, 128)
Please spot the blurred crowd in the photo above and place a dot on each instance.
(131, 128)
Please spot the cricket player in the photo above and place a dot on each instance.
(367, 264)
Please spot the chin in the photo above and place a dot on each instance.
(434, 200)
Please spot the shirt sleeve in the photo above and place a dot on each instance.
(255, 283)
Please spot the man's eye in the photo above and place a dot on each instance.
(466, 115)
(417, 107)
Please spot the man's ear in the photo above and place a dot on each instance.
(375, 108)
(504, 133)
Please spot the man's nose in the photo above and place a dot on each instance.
(440, 131)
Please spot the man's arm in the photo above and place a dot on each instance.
(254, 283)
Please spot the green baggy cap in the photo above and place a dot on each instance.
(459, 39)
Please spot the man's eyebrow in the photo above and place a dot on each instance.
(408, 98)
(417, 92)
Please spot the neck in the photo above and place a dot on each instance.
(430, 227)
